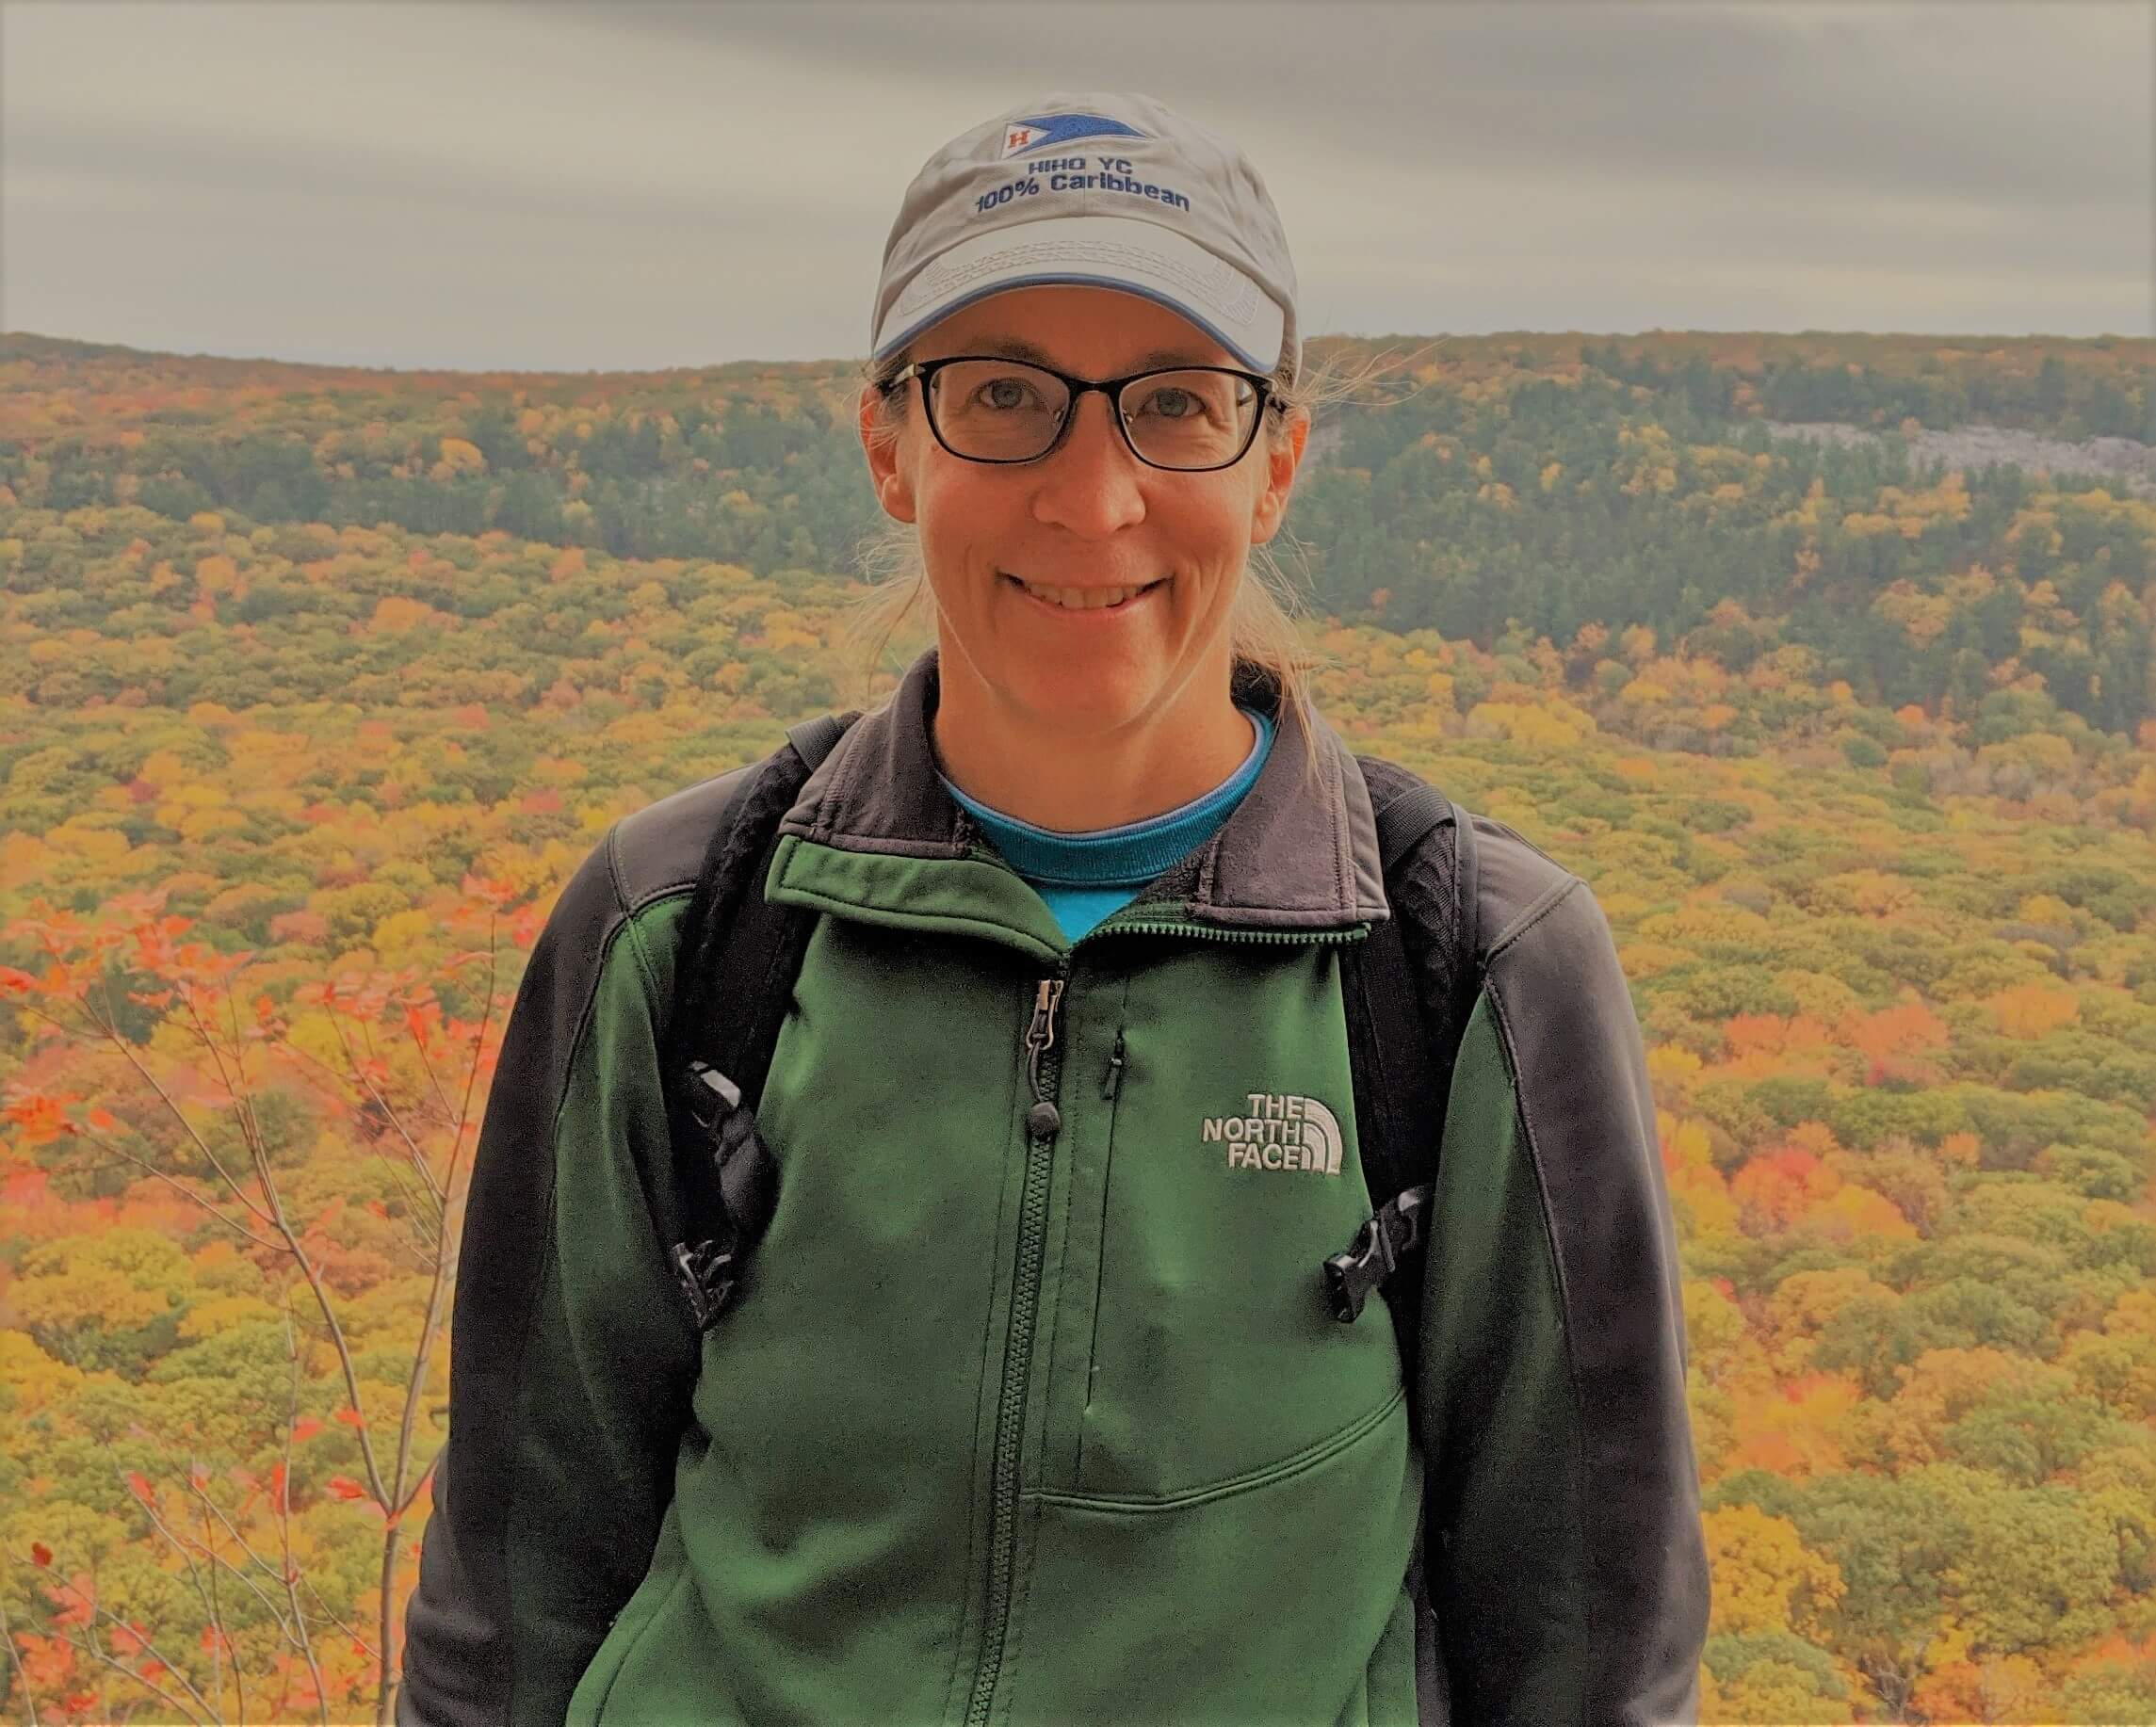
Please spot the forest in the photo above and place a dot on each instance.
(316, 684)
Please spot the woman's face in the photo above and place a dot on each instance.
(1091, 515)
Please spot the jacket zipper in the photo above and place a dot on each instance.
(1211, 933)
(1044, 1072)
(1044, 1069)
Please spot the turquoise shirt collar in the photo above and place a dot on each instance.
(1127, 855)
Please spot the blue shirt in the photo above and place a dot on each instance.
(1085, 877)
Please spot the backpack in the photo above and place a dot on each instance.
(1408, 988)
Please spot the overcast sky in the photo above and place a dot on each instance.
(563, 187)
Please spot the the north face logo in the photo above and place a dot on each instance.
(1279, 1133)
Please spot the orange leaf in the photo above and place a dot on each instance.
(38, 1115)
(351, 1417)
(344, 1487)
(307, 1427)
(81, 1609)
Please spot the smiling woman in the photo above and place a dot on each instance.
(1053, 1031)
(1081, 716)
(1260, 630)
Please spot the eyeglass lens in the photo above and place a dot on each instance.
(1006, 411)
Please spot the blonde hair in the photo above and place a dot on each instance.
(1261, 623)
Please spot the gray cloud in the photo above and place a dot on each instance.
(1985, 102)
(570, 186)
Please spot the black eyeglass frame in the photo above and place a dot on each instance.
(1110, 387)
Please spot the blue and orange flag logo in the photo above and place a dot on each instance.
(1053, 131)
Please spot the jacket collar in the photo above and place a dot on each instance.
(1295, 853)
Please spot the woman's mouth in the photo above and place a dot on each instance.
(1084, 599)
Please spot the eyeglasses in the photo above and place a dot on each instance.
(1188, 419)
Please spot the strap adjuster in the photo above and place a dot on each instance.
(712, 1097)
(1383, 1242)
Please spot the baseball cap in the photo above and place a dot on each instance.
(1104, 189)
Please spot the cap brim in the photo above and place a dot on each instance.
(1126, 254)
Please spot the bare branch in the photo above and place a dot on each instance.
(15, 1656)
(202, 1145)
(337, 1341)
(90, 1649)
(149, 1168)
(177, 1543)
(288, 1573)
(382, 1102)
(215, 1559)
(419, 1483)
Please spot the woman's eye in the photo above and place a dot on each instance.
(1005, 393)
(1180, 404)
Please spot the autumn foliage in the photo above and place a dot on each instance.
(312, 701)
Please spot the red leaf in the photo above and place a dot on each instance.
(344, 1487)
(307, 1427)
(351, 1417)
(137, 1484)
(41, 1554)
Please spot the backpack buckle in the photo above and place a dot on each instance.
(708, 1274)
(744, 1191)
(1383, 1240)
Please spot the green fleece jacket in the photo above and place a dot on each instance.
(1030, 1415)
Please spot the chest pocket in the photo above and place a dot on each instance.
(1223, 1172)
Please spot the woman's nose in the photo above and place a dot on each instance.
(1091, 481)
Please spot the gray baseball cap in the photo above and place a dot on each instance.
(1103, 189)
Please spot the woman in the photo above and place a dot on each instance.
(1029, 1409)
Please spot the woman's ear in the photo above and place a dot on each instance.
(886, 472)
(1280, 465)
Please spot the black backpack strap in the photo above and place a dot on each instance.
(1410, 986)
(1399, 1039)
(739, 955)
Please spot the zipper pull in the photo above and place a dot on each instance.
(1042, 1032)
(1111, 1082)
(1044, 1117)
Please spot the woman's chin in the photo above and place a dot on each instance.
(1082, 700)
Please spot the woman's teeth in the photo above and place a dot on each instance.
(1083, 599)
